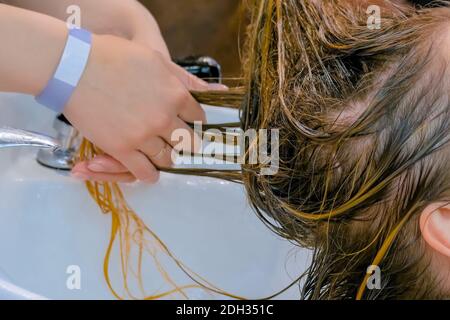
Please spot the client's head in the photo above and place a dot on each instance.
(364, 114)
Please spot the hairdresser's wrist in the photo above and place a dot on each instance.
(102, 75)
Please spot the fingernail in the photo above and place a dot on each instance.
(96, 167)
(80, 176)
(217, 87)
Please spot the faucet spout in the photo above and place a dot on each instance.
(11, 137)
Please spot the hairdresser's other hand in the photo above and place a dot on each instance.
(126, 19)
(129, 101)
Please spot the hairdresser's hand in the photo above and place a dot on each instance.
(146, 32)
(129, 101)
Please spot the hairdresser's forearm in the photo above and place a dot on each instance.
(32, 45)
(124, 18)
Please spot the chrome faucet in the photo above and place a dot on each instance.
(56, 153)
(11, 137)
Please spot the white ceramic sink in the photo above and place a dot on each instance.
(48, 222)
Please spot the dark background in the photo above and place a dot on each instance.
(202, 27)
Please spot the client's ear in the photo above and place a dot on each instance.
(435, 227)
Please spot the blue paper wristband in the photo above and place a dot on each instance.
(73, 62)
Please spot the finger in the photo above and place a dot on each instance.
(105, 177)
(217, 87)
(191, 82)
(182, 138)
(140, 166)
(106, 164)
(188, 108)
(81, 172)
(158, 151)
(191, 111)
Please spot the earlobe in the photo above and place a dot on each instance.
(435, 227)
